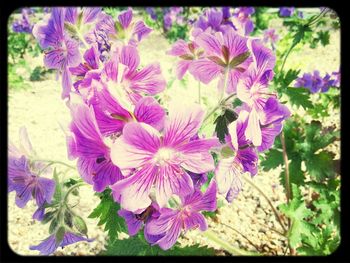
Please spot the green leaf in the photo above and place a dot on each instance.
(138, 246)
(222, 123)
(80, 224)
(299, 97)
(60, 234)
(297, 211)
(321, 166)
(273, 158)
(107, 214)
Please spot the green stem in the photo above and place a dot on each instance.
(65, 198)
(228, 247)
(221, 103)
(53, 162)
(269, 202)
(244, 236)
(286, 165)
(82, 38)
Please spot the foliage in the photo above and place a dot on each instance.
(138, 246)
(106, 212)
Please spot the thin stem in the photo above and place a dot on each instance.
(263, 225)
(286, 174)
(199, 92)
(82, 38)
(269, 202)
(71, 189)
(221, 103)
(57, 162)
(244, 236)
(225, 245)
(42, 170)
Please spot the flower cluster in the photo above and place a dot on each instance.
(24, 24)
(315, 83)
(155, 160)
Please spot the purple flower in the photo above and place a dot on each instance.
(91, 58)
(229, 170)
(160, 160)
(167, 21)
(212, 21)
(271, 122)
(135, 222)
(166, 229)
(253, 88)
(86, 143)
(313, 82)
(61, 51)
(327, 82)
(187, 52)
(111, 117)
(241, 20)
(49, 245)
(152, 12)
(226, 14)
(286, 11)
(23, 25)
(336, 76)
(23, 178)
(124, 30)
(121, 75)
(224, 52)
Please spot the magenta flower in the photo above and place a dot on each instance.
(228, 172)
(91, 57)
(166, 229)
(227, 54)
(61, 51)
(87, 144)
(111, 116)
(130, 32)
(187, 52)
(49, 245)
(123, 77)
(253, 88)
(160, 160)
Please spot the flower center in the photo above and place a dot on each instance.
(163, 156)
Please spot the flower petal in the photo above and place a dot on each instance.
(195, 220)
(149, 111)
(205, 70)
(182, 123)
(130, 57)
(136, 146)
(133, 192)
(125, 18)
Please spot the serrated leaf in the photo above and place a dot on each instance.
(299, 97)
(138, 246)
(222, 122)
(321, 166)
(273, 158)
(107, 214)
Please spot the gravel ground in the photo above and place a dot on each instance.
(41, 110)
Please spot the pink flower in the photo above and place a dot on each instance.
(187, 52)
(226, 54)
(150, 159)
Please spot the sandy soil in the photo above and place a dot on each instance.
(40, 109)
